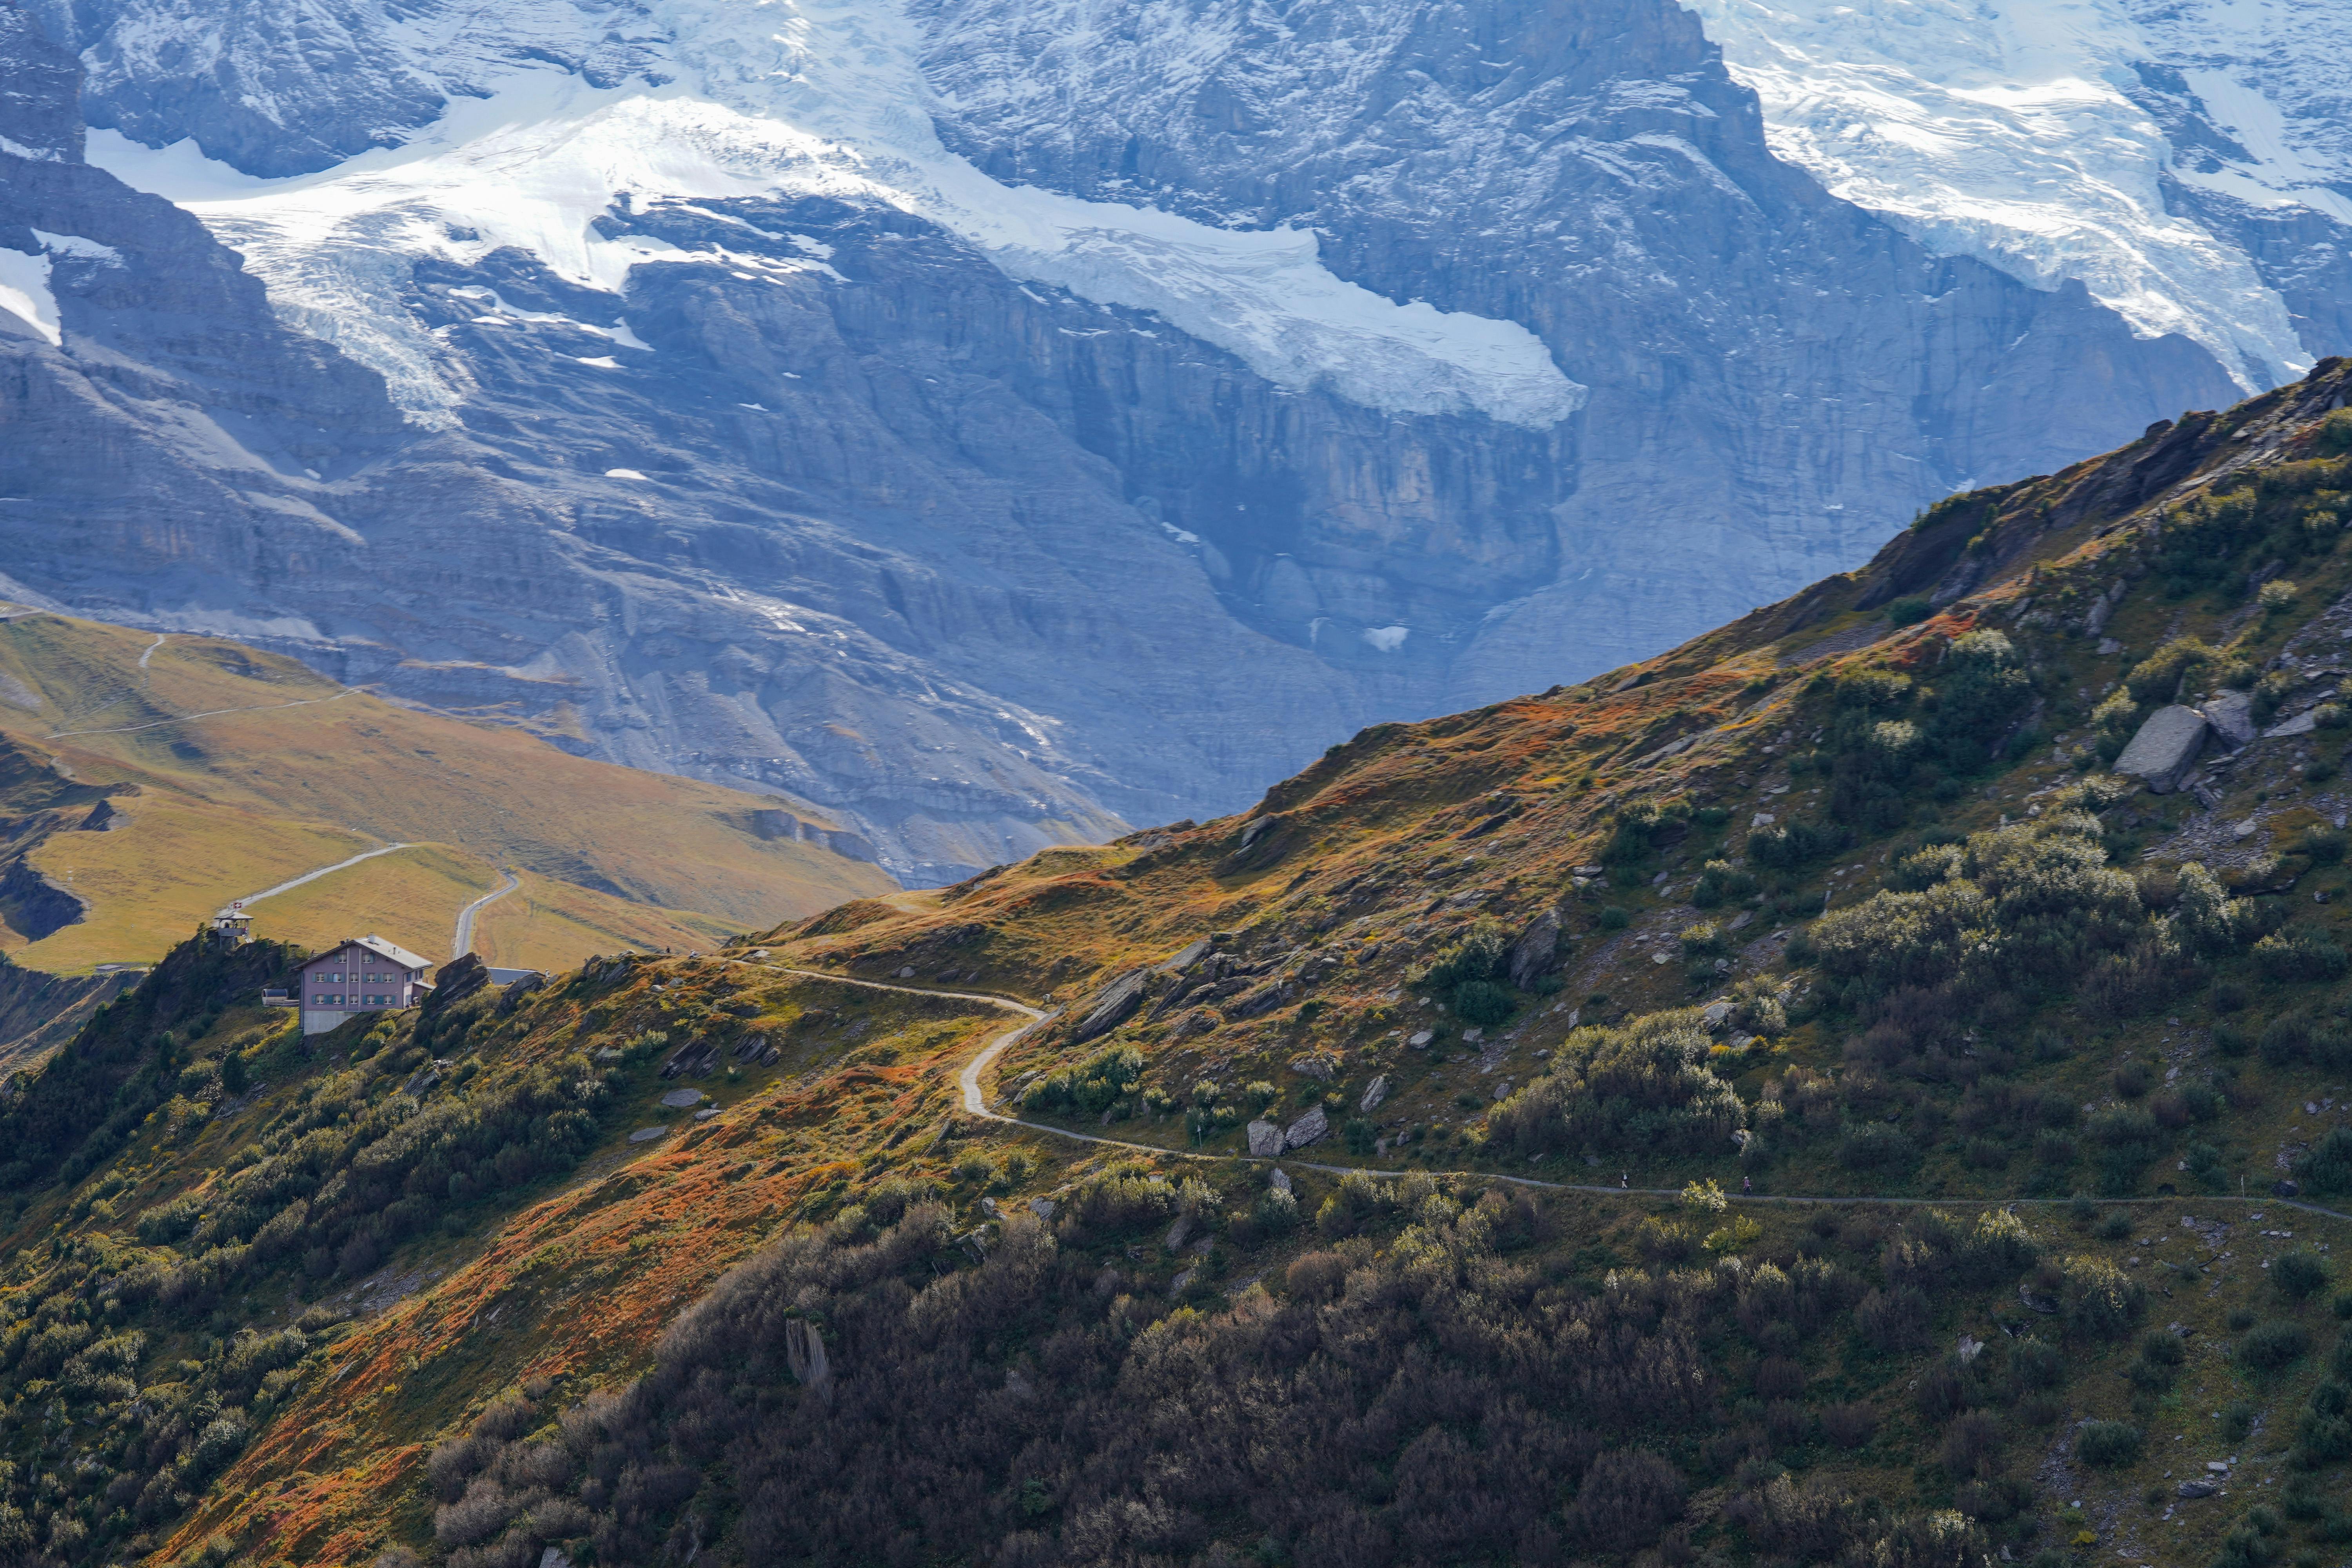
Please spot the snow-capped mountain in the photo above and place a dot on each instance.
(982, 417)
(2187, 161)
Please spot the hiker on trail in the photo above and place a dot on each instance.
(1621, 1178)
(1745, 1186)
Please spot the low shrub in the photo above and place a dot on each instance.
(1483, 1003)
(2299, 954)
(1909, 611)
(2097, 1299)
(2299, 1274)
(2268, 1347)
(2326, 1170)
(2107, 1445)
(1873, 1146)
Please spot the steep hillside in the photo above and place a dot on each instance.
(1792, 1102)
(146, 782)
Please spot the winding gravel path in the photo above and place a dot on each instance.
(975, 1103)
(314, 875)
(464, 942)
(190, 718)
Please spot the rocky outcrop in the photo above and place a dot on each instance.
(40, 1011)
(1111, 1007)
(33, 906)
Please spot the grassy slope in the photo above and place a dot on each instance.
(1367, 865)
(241, 800)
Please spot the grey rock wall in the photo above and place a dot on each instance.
(1779, 380)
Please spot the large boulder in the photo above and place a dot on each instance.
(1265, 1140)
(2166, 748)
(2231, 714)
(1306, 1129)
(1531, 956)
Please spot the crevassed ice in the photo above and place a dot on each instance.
(821, 97)
(2004, 130)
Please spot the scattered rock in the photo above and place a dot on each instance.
(1279, 1179)
(1420, 1041)
(1374, 1092)
(2303, 724)
(2046, 1305)
(1318, 1066)
(1179, 1231)
(1042, 1208)
(1715, 1014)
(552, 1558)
(648, 1134)
(1265, 1140)
(2166, 748)
(1176, 1286)
(1306, 1129)
(907, 971)
(2198, 1489)
(2286, 1190)
(679, 1099)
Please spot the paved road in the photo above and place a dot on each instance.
(314, 875)
(464, 943)
(975, 1103)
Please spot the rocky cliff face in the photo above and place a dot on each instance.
(1206, 387)
(1776, 378)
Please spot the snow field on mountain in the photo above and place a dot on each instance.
(2006, 129)
(25, 292)
(819, 97)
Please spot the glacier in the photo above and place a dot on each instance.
(798, 97)
(2032, 134)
